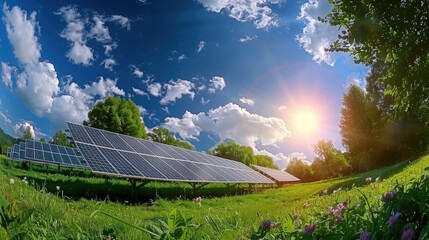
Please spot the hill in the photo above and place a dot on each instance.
(63, 214)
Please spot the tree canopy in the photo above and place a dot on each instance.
(117, 115)
(300, 169)
(240, 153)
(60, 138)
(163, 135)
(329, 162)
(27, 134)
(42, 140)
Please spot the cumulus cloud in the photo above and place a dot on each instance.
(139, 92)
(7, 73)
(247, 101)
(20, 128)
(176, 89)
(21, 32)
(121, 20)
(217, 83)
(99, 31)
(230, 122)
(109, 63)
(136, 71)
(281, 160)
(316, 36)
(79, 52)
(256, 11)
(247, 38)
(201, 46)
(104, 87)
(154, 89)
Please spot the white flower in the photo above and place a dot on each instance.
(11, 181)
(25, 181)
(58, 188)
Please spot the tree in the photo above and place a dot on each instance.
(42, 140)
(163, 135)
(329, 160)
(27, 134)
(60, 138)
(300, 169)
(117, 115)
(236, 152)
(265, 161)
(394, 33)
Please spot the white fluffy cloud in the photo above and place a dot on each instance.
(256, 11)
(247, 101)
(230, 122)
(139, 92)
(6, 74)
(247, 38)
(281, 160)
(19, 129)
(201, 46)
(5, 118)
(109, 63)
(21, 32)
(121, 20)
(99, 31)
(136, 71)
(104, 87)
(317, 36)
(217, 83)
(176, 89)
(79, 52)
(154, 89)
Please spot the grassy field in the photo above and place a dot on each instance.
(66, 214)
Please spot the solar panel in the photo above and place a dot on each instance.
(277, 175)
(47, 153)
(116, 154)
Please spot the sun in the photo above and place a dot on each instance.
(305, 122)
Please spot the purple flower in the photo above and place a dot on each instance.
(330, 211)
(268, 224)
(389, 196)
(346, 202)
(340, 207)
(305, 204)
(393, 219)
(310, 229)
(377, 179)
(408, 234)
(368, 179)
(339, 218)
(375, 185)
(365, 235)
(357, 206)
(296, 216)
(325, 192)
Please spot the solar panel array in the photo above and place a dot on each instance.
(115, 154)
(46, 153)
(277, 175)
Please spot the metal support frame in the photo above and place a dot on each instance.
(135, 187)
(197, 186)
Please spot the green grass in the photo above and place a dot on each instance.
(66, 215)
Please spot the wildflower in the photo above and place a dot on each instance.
(377, 179)
(346, 202)
(368, 179)
(310, 229)
(339, 218)
(268, 224)
(389, 196)
(296, 216)
(58, 188)
(330, 211)
(408, 234)
(365, 235)
(393, 219)
(305, 204)
(25, 181)
(335, 191)
(11, 181)
(375, 185)
(198, 200)
(357, 206)
(340, 207)
(325, 192)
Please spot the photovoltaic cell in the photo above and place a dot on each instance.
(112, 153)
(277, 175)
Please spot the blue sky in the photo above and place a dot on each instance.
(207, 70)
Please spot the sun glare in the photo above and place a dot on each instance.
(305, 122)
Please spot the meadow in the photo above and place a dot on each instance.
(79, 207)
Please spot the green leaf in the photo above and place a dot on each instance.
(175, 220)
(288, 224)
(3, 234)
(22, 218)
(424, 233)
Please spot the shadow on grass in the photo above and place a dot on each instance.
(75, 184)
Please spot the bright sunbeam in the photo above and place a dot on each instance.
(305, 122)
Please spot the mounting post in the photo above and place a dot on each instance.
(135, 187)
(196, 186)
